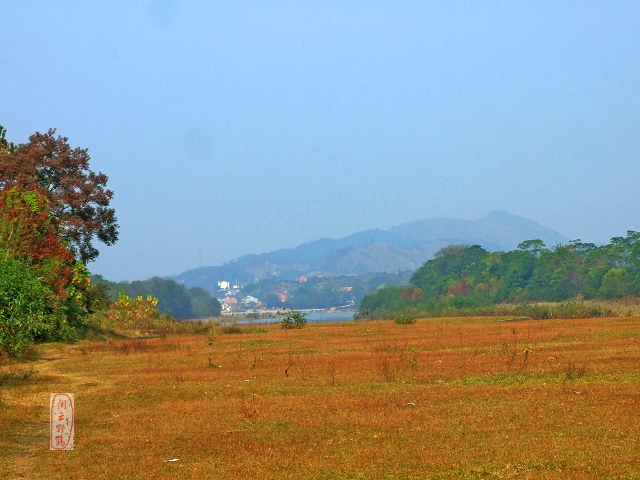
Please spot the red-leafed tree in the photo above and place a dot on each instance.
(78, 197)
(414, 294)
(28, 233)
(460, 288)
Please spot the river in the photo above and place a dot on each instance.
(314, 317)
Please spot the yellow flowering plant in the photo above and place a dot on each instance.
(133, 313)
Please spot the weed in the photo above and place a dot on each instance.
(413, 361)
(139, 345)
(231, 329)
(438, 335)
(572, 372)
(16, 376)
(387, 371)
(249, 408)
(289, 363)
(512, 351)
(332, 374)
(391, 360)
(526, 351)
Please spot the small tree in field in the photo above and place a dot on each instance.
(292, 319)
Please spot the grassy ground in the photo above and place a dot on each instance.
(443, 398)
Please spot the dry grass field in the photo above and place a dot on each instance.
(443, 398)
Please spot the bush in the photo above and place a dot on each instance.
(292, 319)
(25, 308)
(134, 313)
(404, 320)
(231, 329)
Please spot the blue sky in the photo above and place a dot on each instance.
(229, 128)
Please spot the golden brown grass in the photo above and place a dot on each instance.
(443, 398)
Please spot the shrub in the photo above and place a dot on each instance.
(292, 319)
(404, 320)
(134, 313)
(231, 329)
(25, 307)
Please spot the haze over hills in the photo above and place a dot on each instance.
(405, 247)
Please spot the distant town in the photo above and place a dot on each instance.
(236, 300)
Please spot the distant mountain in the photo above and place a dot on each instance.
(405, 247)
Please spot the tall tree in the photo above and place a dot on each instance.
(78, 196)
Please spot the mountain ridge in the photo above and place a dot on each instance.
(405, 247)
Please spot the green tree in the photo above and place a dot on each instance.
(384, 299)
(203, 305)
(292, 319)
(535, 246)
(449, 265)
(566, 272)
(25, 307)
(615, 283)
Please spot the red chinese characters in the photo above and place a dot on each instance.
(61, 421)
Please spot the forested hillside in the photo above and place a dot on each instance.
(469, 276)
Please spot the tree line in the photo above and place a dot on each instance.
(173, 298)
(463, 276)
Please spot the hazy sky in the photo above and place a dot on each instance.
(239, 127)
